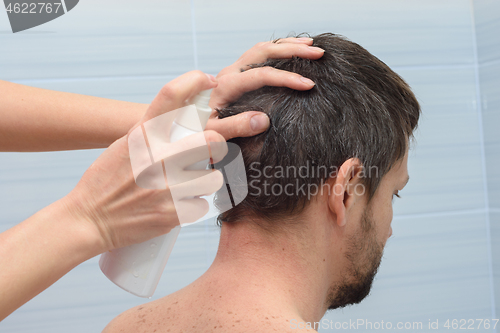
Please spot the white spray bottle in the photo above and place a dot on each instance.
(138, 268)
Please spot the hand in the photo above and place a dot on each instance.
(106, 210)
(108, 199)
(239, 78)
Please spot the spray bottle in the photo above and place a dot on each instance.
(138, 268)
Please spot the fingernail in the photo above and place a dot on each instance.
(259, 122)
(211, 77)
(317, 49)
(305, 39)
(307, 81)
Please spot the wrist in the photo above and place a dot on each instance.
(39, 251)
(78, 223)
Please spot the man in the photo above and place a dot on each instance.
(310, 234)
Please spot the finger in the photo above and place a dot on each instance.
(216, 144)
(299, 40)
(186, 151)
(241, 125)
(178, 173)
(177, 92)
(205, 185)
(190, 210)
(179, 176)
(236, 85)
(263, 51)
(192, 164)
(192, 149)
(283, 51)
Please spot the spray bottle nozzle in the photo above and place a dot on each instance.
(201, 100)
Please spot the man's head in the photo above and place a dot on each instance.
(336, 153)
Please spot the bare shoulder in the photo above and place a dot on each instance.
(180, 312)
(131, 320)
(167, 315)
(118, 322)
(149, 317)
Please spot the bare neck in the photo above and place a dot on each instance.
(285, 274)
(258, 282)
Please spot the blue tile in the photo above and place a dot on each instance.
(490, 88)
(31, 181)
(401, 33)
(138, 89)
(495, 254)
(487, 24)
(102, 39)
(445, 160)
(434, 268)
(87, 300)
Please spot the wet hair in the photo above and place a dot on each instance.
(359, 108)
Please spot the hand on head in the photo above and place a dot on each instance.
(107, 197)
(107, 209)
(240, 77)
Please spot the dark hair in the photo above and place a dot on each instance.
(359, 108)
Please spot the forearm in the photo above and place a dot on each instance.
(37, 252)
(34, 119)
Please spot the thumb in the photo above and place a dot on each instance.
(241, 125)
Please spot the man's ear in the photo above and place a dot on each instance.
(343, 192)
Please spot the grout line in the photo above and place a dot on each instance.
(146, 77)
(483, 158)
(95, 78)
(195, 56)
(441, 214)
(490, 62)
(408, 216)
(432, 67)
(207, 228)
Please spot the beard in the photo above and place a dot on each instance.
(363, 255)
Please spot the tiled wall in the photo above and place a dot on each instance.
(440, 262)
(487, 19)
